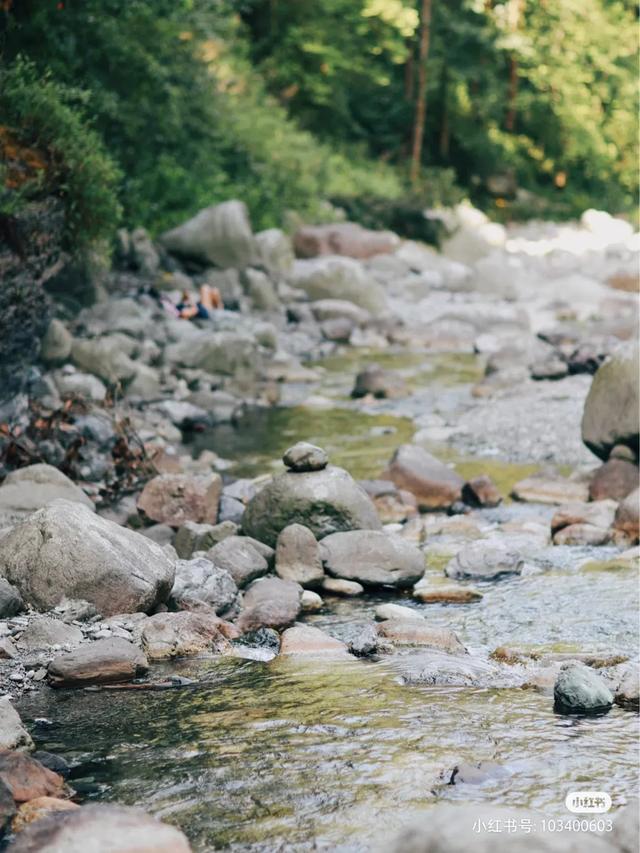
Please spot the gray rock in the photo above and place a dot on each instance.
(628, 690)
(10, 600)
(66, 550)
(612, 409)
(198, 580)
(192, 536)
(181, 413)
(339, 309)
(239, 556)
(298, 556)
(170, 635)
(305, 457)
(626, 828)
(579, 690)
(56, 344)
(177, 498)
(43, 631)
(273, 251)
(397, 611)
(104, 357)
(102, 828)
(434, 484)
(220, 235)
(161, 534)
(270, 603)
(379, 383)
(485, 559)
(372, 558)
(72, 382)
(144, 254)
(338, 586)
(260, 290)
(325, 501)
(12, 733)
(362, 639)
(230, 510)
(229, 353)
(333, 277)
(102, 662)
(35, 486)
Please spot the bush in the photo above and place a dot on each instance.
(49, 150)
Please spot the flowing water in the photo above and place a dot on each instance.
(293, 756)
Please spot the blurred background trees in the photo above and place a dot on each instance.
(528, 107)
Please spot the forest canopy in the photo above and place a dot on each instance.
(145, 111)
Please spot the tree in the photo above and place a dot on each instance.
(421, 91)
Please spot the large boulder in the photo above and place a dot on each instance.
(177, 498)
(106, 661)
(199, 582)
(67, 551)
(334, 277)
(372, 558)
(219, 235)
(580, 690)
(311, 642)
(274, 252)
(239, 556)
(270, 603)
(485, 559)
(100, 828)
(326, 501)
(434, 485)
(35, 486)
(223, 352)
(612, 409)
(343, 238)
(105, 358)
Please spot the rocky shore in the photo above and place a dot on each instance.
(123, 552)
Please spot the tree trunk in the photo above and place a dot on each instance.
(421, 93)
(514, 12)
(444, 121)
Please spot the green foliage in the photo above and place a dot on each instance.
(49, 150)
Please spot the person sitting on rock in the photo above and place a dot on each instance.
(210, 301)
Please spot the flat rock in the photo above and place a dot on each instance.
(200, 581)
(67, 551)
(170, 635)
(485, 559)
(343, 238)
(434, 485)
(582, 534)
(598, 513)
(31, 488)
(397, 611)
(101, 662)
(404, 632)
(372, 558)
(27, 779)
(43, 631)
(550, 489)
(192, 536)
(270, 603)
(102, 828)
(333, 277)
(338, 586)
(177, 498)
(13, 735)
(305, 457)
(325, 501)
(579, 690)
(310, 641)
(447, 594)
(239, 556)
(298, 556)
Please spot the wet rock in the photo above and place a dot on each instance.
(547, 488)
(43, 632)
(481, 492)
(325, 501)
(12, 733)
(381, 384)
(298, 556)
(219, 235)
(404, 632)
(615, 479)
(551, 368)
(10, 600)
(333, 277)
(627, 518)
(611, 410)
(262, 638)
(100, 829)
(309, 641)
(170, 635)
(200, 581)
(397, 611)
(55, 347)
(372, 558)
(239, 556)
(434, 485)
(446, 594)
(338, 586)
(183, 414)
(67, 551)
(38, 808)
(466, 773)
(53, 762)
(102, 662)
(362, 638)
(485, 559)
(311, 602)
(627, 693)
(305, 457)
(579, 690)
(192, 536)
(35, 486)
(27, 779)
(270, 603)
(177, 498)
(7, 808)
(343, 238)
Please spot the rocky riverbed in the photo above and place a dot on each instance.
(356, 554)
